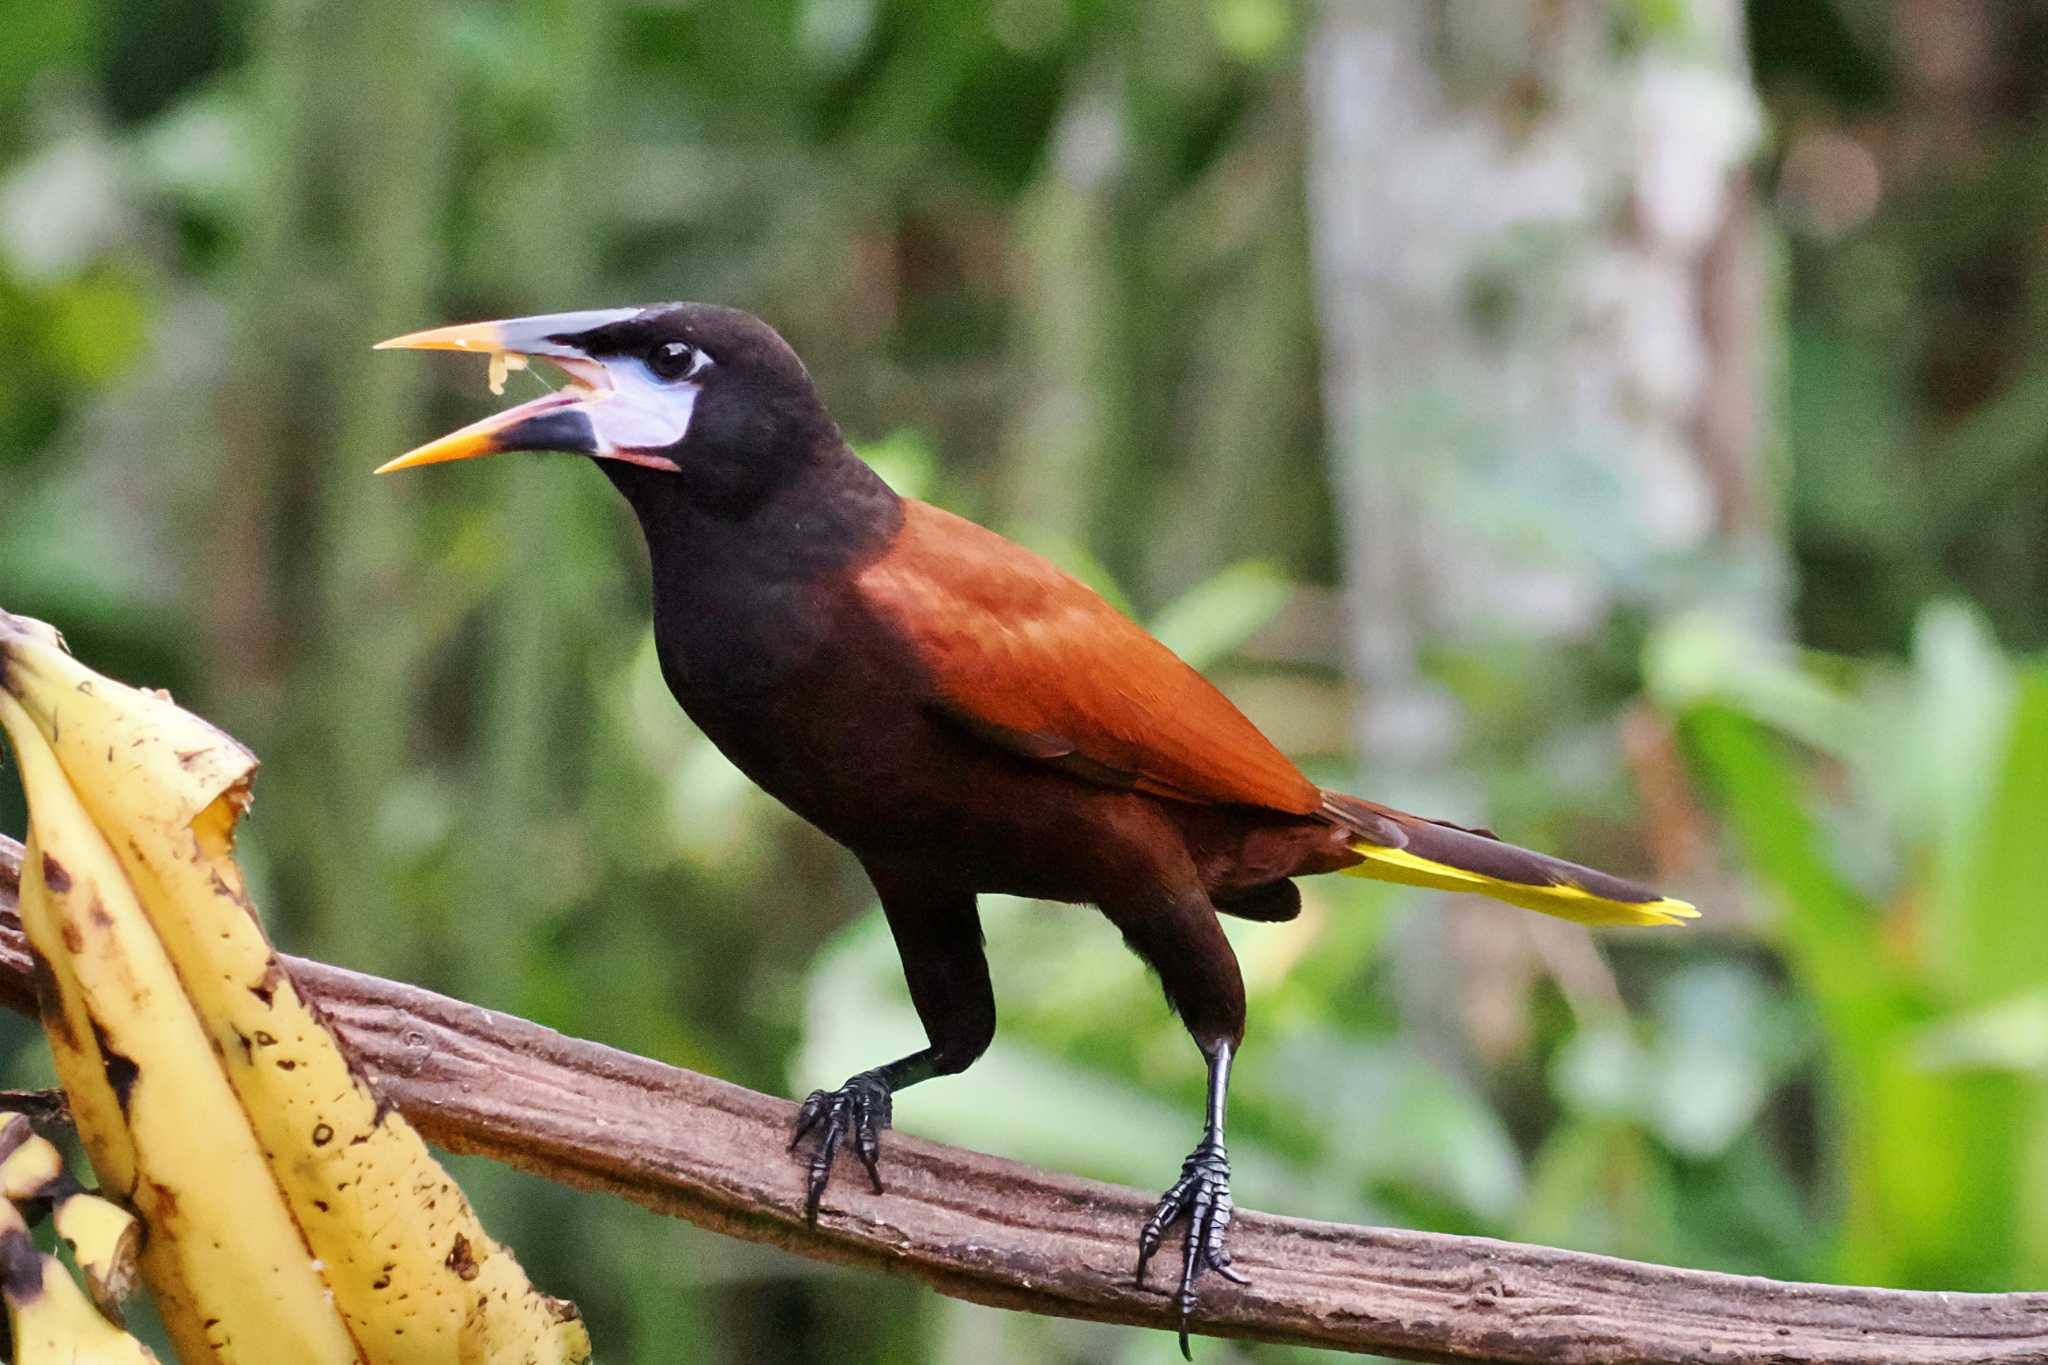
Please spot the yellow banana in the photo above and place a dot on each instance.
(106, 1241)
(402, 1264)
(104, 1237)
(31, 1167)
(51, 1321)
(231, 1276)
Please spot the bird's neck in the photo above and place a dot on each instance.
(744, 598)
(828, 514)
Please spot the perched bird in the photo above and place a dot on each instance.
(957, 712)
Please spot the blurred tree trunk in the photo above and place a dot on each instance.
(1541, 299)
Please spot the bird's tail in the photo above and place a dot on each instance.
(1394, 846)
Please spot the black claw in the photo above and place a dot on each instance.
(1202, 1197)
(870, 1149)
(861, 1108)
(807, 1117)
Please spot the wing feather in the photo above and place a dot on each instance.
(1033, 660)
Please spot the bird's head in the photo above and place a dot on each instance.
(706, 395)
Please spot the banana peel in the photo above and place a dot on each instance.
(291, 1214)
(105, 1239)
(48, 1319)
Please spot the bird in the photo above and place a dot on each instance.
(959, 714)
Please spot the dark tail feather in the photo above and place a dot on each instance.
(1394, 846)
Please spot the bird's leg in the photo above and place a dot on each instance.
(1202, 1196)
(938, 936)
(1178, 934)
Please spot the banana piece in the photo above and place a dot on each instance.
(104, 1237)
(232, 1278)
(29, 1165)
(106, 1241)
(51, 1321)
(406, 1266)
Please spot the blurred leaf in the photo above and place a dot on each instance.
(1923, 1209)
(203, 153)
(1721, 1044)
(1717, 1042)
(94, 326)
(1746, 1213)
(91, 570)
(1216, 617)
(42, 41)
(2011, 1035)
(832, 32)
(905, 460)
(1390, 1121)
(1845, 416)
(1932, 763)
(1657, 20)
(1251, 30)
(1705, 658)
(63, 207)
(1599, 1186)
(1993, 943)
(1998, 444)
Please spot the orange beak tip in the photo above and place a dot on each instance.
(462, 445)
(467, 336)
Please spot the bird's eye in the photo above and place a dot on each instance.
(669, 361)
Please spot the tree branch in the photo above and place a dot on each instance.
(999, 1233)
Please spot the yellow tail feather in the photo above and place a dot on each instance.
(1564, 901)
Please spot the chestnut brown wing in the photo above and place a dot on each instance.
(1035, 661)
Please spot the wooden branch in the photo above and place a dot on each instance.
(999, 1233)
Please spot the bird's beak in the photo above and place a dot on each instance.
(588, 416)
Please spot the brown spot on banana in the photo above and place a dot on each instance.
(49, 1001)
(462, 1260)
(21, 1266)
(266, 989)
(121, 1070)
(13, 1134)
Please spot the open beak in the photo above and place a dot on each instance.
(587, 416)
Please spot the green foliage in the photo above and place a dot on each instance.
(1900, 905)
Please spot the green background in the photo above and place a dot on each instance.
(474, 780)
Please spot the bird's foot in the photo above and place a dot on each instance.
(861, 1107)
(1202, 1196)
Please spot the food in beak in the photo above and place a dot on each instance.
(503, 362)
